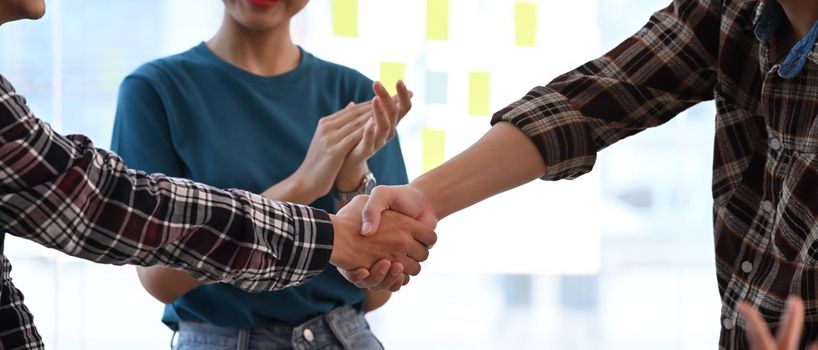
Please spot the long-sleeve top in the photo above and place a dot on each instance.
(765, 160)
(65, 194)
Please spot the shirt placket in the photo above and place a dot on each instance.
(753, 265)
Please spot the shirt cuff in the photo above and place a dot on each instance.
(561, 134)
(308, 253)
(293, 244)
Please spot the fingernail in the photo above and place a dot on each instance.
(365, 229)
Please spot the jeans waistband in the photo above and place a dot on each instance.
(339, 326)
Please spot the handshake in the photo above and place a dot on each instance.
(380, 241)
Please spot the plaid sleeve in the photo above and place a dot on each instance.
(65, 194)
(646, 80)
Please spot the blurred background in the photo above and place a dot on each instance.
(621, 258)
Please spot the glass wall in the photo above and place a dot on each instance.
(621, 258)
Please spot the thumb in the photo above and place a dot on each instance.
(355, 276)
(371, 215)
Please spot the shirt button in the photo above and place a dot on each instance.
(775, 144)
(308, 335)
(727, 323)
(767, 206)
(747, 267)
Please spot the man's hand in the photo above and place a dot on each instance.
(789, 334)
(403, 199)
(399, 239)
(383, 275)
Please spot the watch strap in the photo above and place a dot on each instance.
(367, 183)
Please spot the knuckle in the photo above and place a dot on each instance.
(404, 244)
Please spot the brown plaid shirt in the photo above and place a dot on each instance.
(65, 194)
(765, 164)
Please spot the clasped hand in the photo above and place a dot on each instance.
(396, 250)
(390, 208)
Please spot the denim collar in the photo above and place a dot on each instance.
(771, 17)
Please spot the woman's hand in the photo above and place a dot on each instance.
(387, 111)
(332, 142)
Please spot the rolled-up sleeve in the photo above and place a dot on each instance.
(645, 81)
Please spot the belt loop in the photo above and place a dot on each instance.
(339, 321)
(244, 339)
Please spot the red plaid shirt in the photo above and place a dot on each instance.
(765, 164)
(65, 194)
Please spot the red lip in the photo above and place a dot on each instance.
(264, 3)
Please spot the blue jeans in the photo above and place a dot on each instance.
(342, 328)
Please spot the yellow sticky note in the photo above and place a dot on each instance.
(433, 147)
(478, 93)
(437, 19)
(525, 22)
(391, 72)
(345, 18)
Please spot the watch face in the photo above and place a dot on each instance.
(369, 183)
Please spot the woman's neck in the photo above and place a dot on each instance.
(264, 53)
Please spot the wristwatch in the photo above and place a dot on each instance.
(367, 184)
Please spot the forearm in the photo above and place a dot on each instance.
(233, 237)
(85, 202)
(587, 109)
(375, 299)
(165, 284)
(502, 159)
(295, 189)
(292, 190)
(350, 176)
